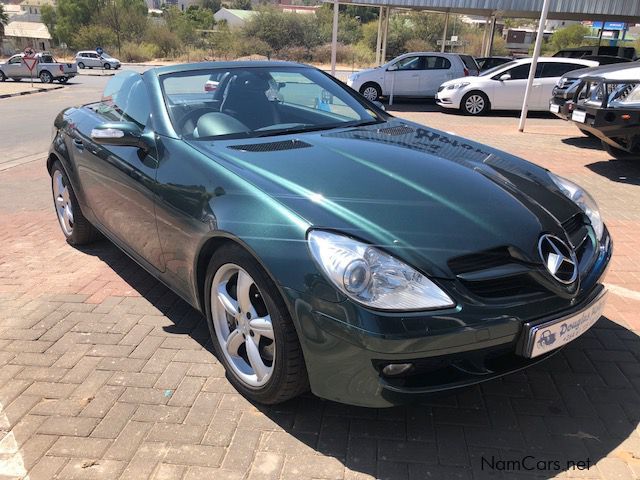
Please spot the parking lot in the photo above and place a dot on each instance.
(106, 374)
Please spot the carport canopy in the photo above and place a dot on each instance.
(609, 10)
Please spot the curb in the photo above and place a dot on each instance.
(95, 74)
(39, 90)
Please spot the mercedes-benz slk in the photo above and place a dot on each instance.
(328, 244)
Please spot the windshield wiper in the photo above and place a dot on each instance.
(313, 128)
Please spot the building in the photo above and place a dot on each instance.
(20, 35)
(32, 9)
(520, 40)
(234, 18)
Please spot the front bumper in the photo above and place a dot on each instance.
(610, 125)
(449, 98)
(345, 360)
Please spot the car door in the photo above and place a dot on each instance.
(16, 68)
(509, 92)
(436, 70)
(118, 182)
(403, 78)
(550, 73)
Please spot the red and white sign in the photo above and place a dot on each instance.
(30, 62)
(29, 52)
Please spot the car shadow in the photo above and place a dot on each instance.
(583, 141)
(564, 414)
(621, 171)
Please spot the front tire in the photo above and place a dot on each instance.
(475, 103)
(46, 77)
(252, 332)
(619, 154)
(371, 91)
(75, 227)
(81, 66)
(63, 80)
(107, 66)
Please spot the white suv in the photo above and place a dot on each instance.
(417, 74)
(503, 87)
(91, 59)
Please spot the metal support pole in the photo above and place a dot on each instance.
(379, 39)
(334, 38)
(484, 37)
(385, 32)
(491, 35)
(534, 63)
(601, 31)
(444, 33)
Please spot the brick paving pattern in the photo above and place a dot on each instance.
(105, 374)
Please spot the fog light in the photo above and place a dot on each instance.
(394, 369)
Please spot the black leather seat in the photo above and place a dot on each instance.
(245, 99)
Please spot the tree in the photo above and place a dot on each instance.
(124, 17)
(48, 15)
(283, 30)
(4, 21)
(240, 4)
(568, 37)
(71, 15)
(213, 5)
(90, 36)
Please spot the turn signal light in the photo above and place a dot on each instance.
(626, 116)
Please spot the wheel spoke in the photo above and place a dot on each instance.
(229, 304)
(69, 214)
(255, 360)
(262, 326)
(60, 201)
(234, 340)
(243, 286)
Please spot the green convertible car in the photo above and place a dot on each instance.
(330, 245)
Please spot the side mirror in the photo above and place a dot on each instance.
(506, 76)
(120, 134)
(392, 68)
(379, 105)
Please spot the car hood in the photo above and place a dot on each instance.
(424, 195)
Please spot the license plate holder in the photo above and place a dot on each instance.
(554, 108)
(547, 336)
(579, 116)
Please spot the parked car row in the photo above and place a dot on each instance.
(48, 69)
(603, 102)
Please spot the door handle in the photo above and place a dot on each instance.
(78, 144)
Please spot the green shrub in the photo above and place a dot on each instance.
(138, 52)
(89, 36)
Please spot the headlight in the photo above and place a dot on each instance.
(372, 277)
(353, 77)
(581, 198)
(456, 86)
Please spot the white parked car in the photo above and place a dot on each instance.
(92, 59)
(417, 74)
(503, 87)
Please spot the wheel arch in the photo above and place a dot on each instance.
(481, 92)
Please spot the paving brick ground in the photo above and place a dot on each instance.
(105, 374)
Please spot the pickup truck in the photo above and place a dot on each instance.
(47, 69)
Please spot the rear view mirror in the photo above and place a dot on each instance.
(391, 68)
(506, 76)
(121, 134)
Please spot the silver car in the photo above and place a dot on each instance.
(46, 68)
(92, 59)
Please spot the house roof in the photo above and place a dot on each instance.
(241, 14)
(27, 30)
(37, 3)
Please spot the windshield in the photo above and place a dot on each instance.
(260, 101)
(107, 56)
(491, 71)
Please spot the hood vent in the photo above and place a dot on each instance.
(271, 146)
(397, 130)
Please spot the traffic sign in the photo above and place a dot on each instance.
(99, 50)
(29, 52)
(30, 62)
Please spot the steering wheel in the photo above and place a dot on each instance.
(193, 116)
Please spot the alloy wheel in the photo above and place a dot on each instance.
(474, 104)
(370, 93)
(243, 325)
(62, 201)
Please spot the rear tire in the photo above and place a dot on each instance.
(3, 77)
(371, 91)
(75, 227)
(63, 79)
(46, 77)
(286, 375)
(619, 154)
(475, 103)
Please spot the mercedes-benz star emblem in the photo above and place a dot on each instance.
(559, 259)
